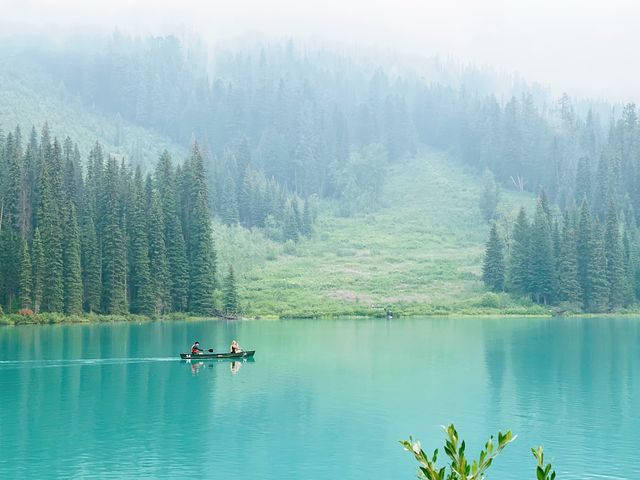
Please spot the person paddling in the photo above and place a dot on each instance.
(195, 349)
(235, 348)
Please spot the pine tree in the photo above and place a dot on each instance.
(201, 253)
(244, 200)
(568, 285)
(91, 261)
(295, 210)
(140, 283)
(173, 235)
(614, 256)
(490, 197)
(92, 218)
(290, 227)
(556, 239)
(597, 271)
(583, 180)
(114, 248)
(230, 293)
(629, 269)
(9, 266)
(493, 267)
(51, 234)
(543, 273)
(25, 277)
(158, 264)
(584, 253)
(543, 200)
(37, 264)
(242, 156)
(72, 272)
(519, 262)
(307, 220)
(229, 202)
(602, 186)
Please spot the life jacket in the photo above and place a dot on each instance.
(194, 349)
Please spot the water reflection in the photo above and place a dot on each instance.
(566, 378)
(195, 366)
(234, 365)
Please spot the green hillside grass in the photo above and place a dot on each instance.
(420, 253)
(29, 98)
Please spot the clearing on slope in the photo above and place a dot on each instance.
(419, 253)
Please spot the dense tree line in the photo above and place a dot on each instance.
(243, 195)
(297, 116)
(577, 259)
(304, 112)
(96, 236)
(571, 157)
(284, 123)
(291, 116)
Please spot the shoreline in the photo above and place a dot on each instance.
(57, 319)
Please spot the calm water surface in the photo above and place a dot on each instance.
(324, 399)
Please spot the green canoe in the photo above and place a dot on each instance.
(206, 356)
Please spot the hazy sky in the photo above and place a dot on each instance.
(585, 47)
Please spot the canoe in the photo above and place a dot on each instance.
(205, 356)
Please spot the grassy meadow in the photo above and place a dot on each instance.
(419, 252)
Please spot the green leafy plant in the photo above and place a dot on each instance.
(459, 467)
(543, 472)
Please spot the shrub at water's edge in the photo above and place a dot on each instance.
(459, 467)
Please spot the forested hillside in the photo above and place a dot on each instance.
(585, 254)
(30, 97)
(285, 131)
(304, 112)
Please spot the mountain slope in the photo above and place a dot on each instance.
(30, 99)
(421, 252)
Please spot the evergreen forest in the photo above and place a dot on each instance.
(291, 142)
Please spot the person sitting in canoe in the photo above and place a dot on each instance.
(195, 349)
(235, 348)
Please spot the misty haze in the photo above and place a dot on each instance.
(293, 239)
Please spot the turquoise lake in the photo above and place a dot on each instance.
(324, 399)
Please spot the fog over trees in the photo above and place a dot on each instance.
(281, 126)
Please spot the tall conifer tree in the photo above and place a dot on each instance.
(158, 264)
(614, 254)
(26, 273)
(201, 252)
(91, 261)
(519, 263)
(51, 233)
(37, 264)
(584, 253)
(114, 248)
(173, 235)
(629, 269)
(140, 282)
(543, 271)
(568, 285)
(72, 277)
(230, 293)
(493, 267)
(597, 271)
